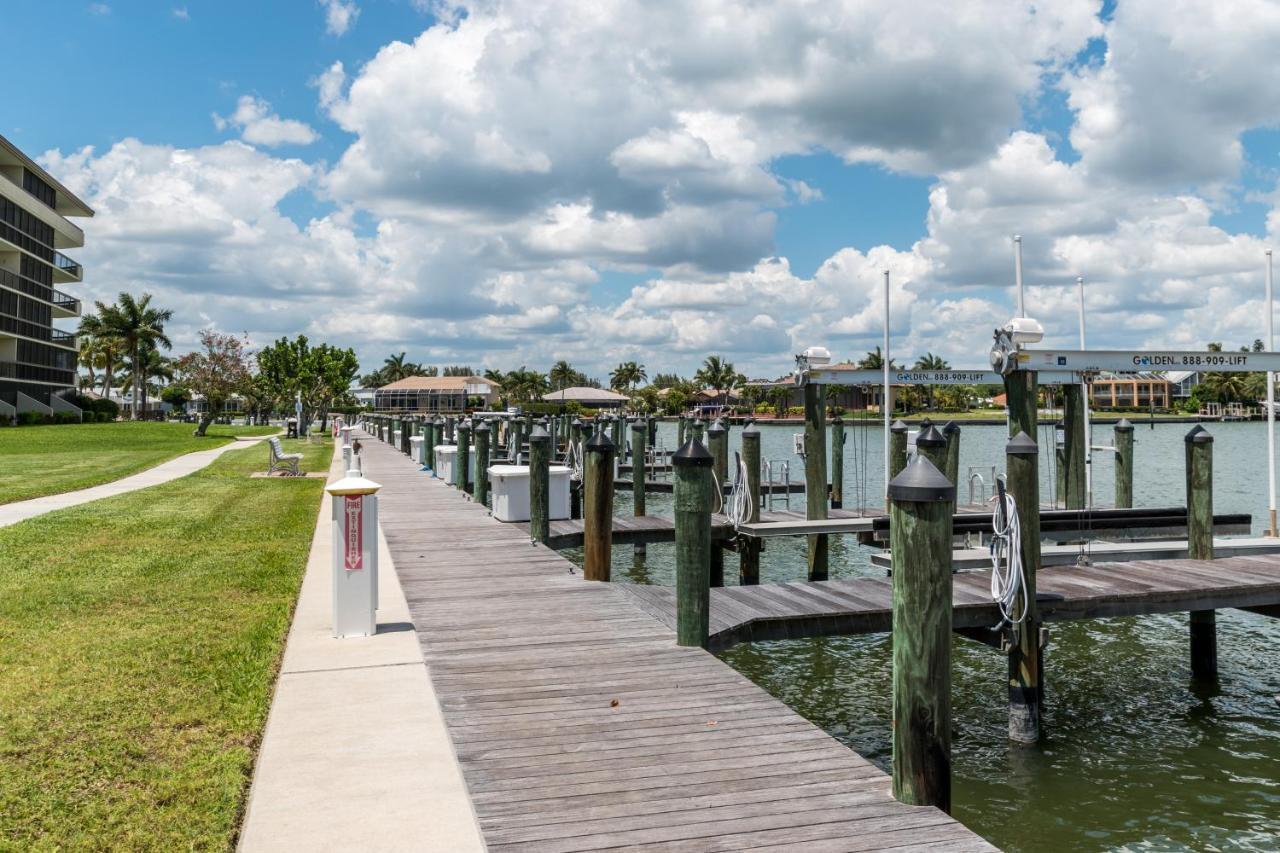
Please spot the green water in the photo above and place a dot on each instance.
(1134, 756)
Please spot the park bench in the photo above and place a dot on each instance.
(286, 463)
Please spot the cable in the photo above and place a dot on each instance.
(1008, 576)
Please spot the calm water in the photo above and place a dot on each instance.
(1134, 757)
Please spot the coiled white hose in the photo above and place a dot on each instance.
(738, 508)
(1008, 576)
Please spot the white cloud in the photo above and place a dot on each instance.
(339, 15)
(517, 159)
(181, 13)
(260, 126)
(100, 9)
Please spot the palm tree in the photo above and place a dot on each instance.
(874, 360)
(396, 368)
(134, 324)
(718, 375)
(152, 365)
(562, 375)
(626, 376)
(89, 351)
(929, 361)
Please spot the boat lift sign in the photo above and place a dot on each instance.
(1131, 361)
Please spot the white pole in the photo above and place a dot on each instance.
(1017, 273)
(1088, 426)
(1271, 406)
(885, 405)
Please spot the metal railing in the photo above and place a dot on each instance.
(61, 338)
(67, 265)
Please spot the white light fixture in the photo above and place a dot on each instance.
(1024, 330)
(817, 355)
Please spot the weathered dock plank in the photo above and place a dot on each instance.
(580, 725)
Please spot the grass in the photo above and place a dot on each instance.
(49, 460)
(139, 641)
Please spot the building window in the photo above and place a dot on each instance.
(38, 188)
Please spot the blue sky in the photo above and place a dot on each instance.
(494, 183)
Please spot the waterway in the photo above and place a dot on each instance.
(1135, 757)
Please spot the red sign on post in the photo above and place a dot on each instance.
(353, 511)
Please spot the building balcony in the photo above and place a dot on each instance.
(57, 337)
(70, 268)
(63, 305)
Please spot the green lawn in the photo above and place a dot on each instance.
(48, 460)
(139, 641)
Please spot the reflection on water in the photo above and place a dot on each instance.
(1134, 757)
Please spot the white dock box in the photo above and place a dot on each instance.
(415, 448)
(509, 485)
(445, 454)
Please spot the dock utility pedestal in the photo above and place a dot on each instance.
(509, 489)
(446, 456)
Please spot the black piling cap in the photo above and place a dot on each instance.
(484, 427)
(930, 437)
(716, 428)
(577, 422)
(600, 443)
(836, 419)
(925, 424)
(751, 428)
(692, 453)
(898, 426)
(921, 482)
(1198, 435)
(465, 425)
(1124, 425)
(638, 423)
(539, 434)
(697, 422)
(1022, 445)
(952, 428)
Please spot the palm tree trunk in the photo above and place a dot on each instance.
(136, 390)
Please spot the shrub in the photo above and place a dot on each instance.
(66, 418)
(30, 418)
(107, 407)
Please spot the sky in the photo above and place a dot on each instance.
(504, 183)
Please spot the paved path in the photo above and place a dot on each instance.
(162, 473)
(580, 725)
(355, 755)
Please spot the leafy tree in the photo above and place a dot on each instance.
(320, 376)
(674, 401)
(667, 380)
(647, 400)
(151, 365)
(134, 324)
(780, 397)
(458, 370)
(176, 394)
(929, 361)
(217, 373)
(563, 375)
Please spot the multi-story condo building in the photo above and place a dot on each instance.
(37, 360)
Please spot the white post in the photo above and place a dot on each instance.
(1017, 273)
(355, 556)
(1271, 407)
(885, 404)
(1088, 425)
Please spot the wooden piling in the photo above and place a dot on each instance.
(481, 434)
(1204, 628)
(837, 462)
(951, 432)
(406, 430)
(1123, 443)
(651, 431)
(692, 464)
(897, 447)
(462, 461)
(638, 473)
(539, 484)
(699, 431)
(920, 500)
(597, 508)
(718, 447)
(749, 546)
(815, 475)
(1074, 451)
(1023, 483)
(429, 443)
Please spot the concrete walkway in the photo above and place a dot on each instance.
(356, 755)
(162, 473)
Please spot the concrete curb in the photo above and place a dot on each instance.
(356, 755)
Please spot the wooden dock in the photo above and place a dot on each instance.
(865, 605)
(580, 725)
